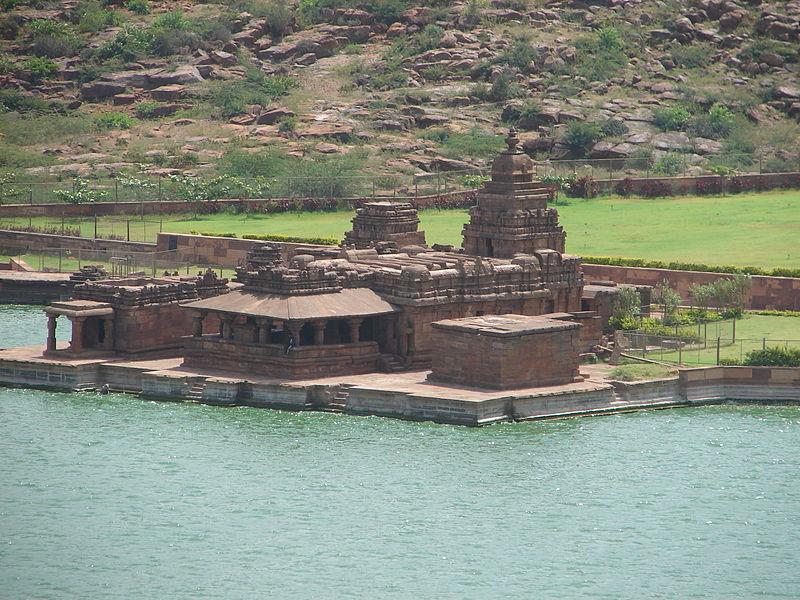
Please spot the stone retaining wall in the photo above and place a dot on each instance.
(683, 186)
(16, 240)
(766, 292)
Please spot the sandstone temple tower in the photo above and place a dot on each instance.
(511, 216)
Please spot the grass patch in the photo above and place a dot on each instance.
(29, 129)
(757, 230)
(640, 372)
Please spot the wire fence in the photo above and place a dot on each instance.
(145, 187)
(695, 350)
(107, 228)
(151, 188)
(116, 264)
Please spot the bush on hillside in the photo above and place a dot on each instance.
(673, 118)
(582, 135)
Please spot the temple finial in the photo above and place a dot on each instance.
(512, 141)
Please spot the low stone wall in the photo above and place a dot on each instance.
(220, 251)
(746, 384)
(700, 184)
(16, 240)
(19, 287)
(766, 292)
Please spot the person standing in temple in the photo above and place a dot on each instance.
(289, 345)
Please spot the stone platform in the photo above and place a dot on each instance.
(407, 395)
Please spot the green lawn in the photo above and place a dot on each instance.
(760, 230)
(752, 332)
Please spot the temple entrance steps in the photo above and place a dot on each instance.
(391, 363)
(194, 393)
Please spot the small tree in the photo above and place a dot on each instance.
(668, 300)
(627, 308)
(80, 193)
(702, 295)
(730, 292)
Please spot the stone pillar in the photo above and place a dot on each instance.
(226, 327)
(76, 344)
(294, 327)
(389, 333)
(197, 325)
(319, 332)
(108, 331)
(355, 334)
(51, 332)
(264, 326)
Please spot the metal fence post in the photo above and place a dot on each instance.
(718, 339)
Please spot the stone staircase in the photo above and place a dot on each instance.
(195, 391)
(391, 363)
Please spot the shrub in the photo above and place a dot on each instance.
(624, 187)
(668, 300)
(528, 114)
(716, 124)
(519, 54)
(612, 127)
(114, 120)
(673, 118)
(504, 87)
(140, 7)
(709, 186)
(669, 164)
(40, 67)
(691, 56)
(601, 55)
(582, 135)
(131, 43)
(773, 357)
(627, 304)
(471, 14)
(583, 187)
(147, 109)
(93, 18)
(322, 241)
(52, 38)
(256, 88)
(287, 125)
(653, 188)
(80, 193)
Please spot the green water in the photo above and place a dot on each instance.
(111, 497)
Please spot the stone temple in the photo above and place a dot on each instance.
(509, 309)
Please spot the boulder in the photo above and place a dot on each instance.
(395, 30)
(788, 92)
(226, 59)
(168, 93)
(337, 131)
(97, 90)
(706, 146)
(273, 115)
(672, 141)
(186, 74)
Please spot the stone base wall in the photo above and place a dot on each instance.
(303, 362)
(763, 384)
(766, 293)
(483, 361)
(154, 327)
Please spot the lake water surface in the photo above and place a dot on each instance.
(111, 497)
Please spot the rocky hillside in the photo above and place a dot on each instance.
(349, 87)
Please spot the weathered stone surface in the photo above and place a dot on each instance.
(167, 93)
(97, 90)
(672, 141)
(339, 131)
(273, 115)
(226, 59)
(186, 74)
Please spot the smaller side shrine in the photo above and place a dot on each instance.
(376, 222)
(511, 216)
